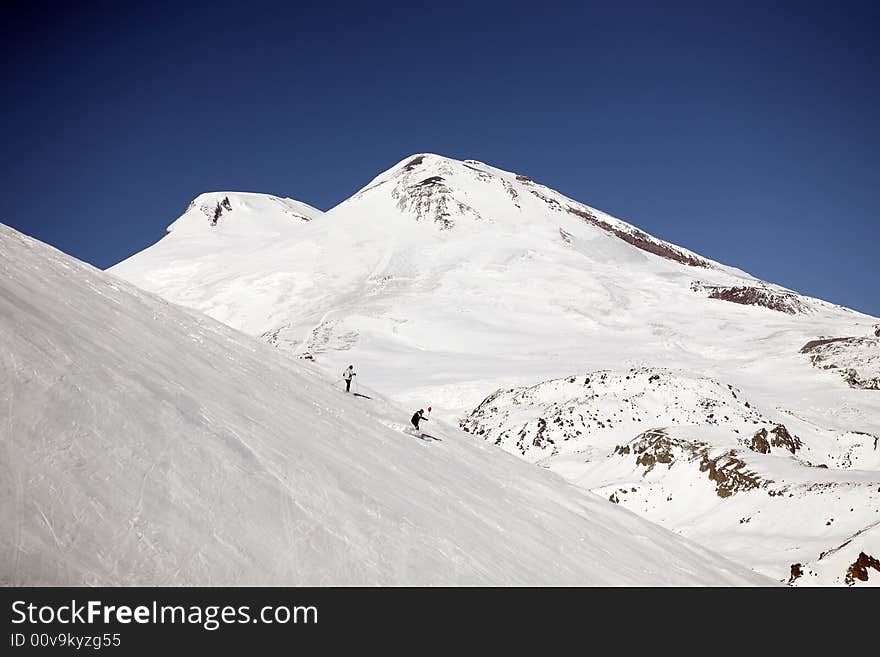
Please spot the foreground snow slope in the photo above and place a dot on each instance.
(142, 443)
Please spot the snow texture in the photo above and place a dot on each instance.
(142, 443)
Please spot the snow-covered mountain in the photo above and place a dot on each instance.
(144, 443)
(445, 281)
(759, 485)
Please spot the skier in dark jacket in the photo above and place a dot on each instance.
(420, 415)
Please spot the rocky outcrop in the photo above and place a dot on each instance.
(222, 206)
(576, 409)
(778, 436)
(759, 442)
(640, 240)
(858, 570)
(551, 203)
(658, 447)
(776, 299)
(213, 212)
(730, 474)
(812, 344)
(429, 199)
(857, 359)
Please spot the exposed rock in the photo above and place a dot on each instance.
(433, 180)
(511, 192)
(854, 380)
(781, 438)
(796, 571)
(657, 446)
(780, 300)
(579, 407)
(480, 174)
(217, 211)
(812, 344)
(858, 570)
(760, 443)
(856, 358)
(641, 240)
(413, 163)
(539, 436)
(552, 203)
(730, 474)
(431, 199)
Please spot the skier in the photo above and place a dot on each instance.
(419, 415)
(347, 375)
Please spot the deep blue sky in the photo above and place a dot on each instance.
(746, 132)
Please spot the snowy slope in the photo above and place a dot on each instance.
(855, 358)
(700, 457)
(232, 231)
(444, 281)
(143, 443)
(237, 214)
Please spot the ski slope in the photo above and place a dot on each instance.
(445, 281)
(142, 443)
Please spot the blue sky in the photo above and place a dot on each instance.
(748, 133)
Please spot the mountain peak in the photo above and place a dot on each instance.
(241, 212)
(454, 193)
